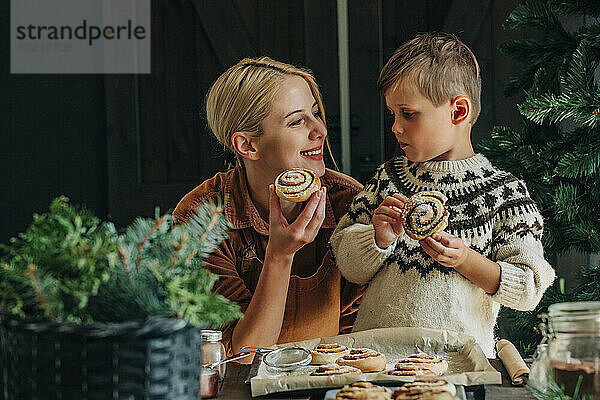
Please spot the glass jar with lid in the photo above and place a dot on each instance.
(213, 350)
(574, 346)
(538, 375)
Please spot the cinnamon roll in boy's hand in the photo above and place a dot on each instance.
(424, 214)
(297, 184)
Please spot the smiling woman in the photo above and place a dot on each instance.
(276, 263)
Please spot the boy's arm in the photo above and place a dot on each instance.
(525, 273)
(517, 274)
(480, 270)
(353, 241)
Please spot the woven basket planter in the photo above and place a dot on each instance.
(159, 359)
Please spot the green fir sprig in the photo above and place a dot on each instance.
(70, 266)
(161, 271)
(64, 256)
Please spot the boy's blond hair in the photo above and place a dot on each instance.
(439, 65)
(242, 97)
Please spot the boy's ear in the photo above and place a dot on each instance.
(461, 109)
(245, 145)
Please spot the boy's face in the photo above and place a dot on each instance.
(426, 132)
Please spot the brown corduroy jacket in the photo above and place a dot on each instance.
(320, 302)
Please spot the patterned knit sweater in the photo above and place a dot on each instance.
(490, 210)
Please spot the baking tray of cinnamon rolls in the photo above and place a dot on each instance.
(385, 356)
(421, 388)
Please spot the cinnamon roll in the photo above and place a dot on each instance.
(423, 394)
(428, 383)
(366, 359)
(328, 353)
(364, 391)
(420, 365)
(297, 184)
(335, 369)
(425, 214)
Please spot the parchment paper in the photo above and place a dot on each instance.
(467, 364)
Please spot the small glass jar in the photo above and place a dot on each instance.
(213, 350)
(538, 375)
(574, 346)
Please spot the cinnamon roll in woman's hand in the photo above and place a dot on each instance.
(297, 184)
(425, 214)
(366, 360)
(328, 353)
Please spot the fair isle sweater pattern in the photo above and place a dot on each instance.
(490, 210)
(475, 197)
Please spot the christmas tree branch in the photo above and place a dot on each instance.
(157, 225)
(32, 272)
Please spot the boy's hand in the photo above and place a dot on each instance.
(387, 220)
(447, 249)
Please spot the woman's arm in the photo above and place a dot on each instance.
(263, 318)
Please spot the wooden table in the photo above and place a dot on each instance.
(234, 388)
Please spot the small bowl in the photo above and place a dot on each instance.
(287, 359)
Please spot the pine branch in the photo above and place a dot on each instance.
(169, 274)
(579, 76)
(535, 14)
(550, 108)
(543, 64)
(64, 266)
(17, 296)
(581, 7)
(124, 262)
(591, 34)
(147, 236)
(73, 252)
(580, 164)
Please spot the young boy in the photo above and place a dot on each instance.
(490, 253)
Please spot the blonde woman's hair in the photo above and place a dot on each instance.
(242, 97)
(439, 65)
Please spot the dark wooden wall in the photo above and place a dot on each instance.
(52, 140)
(124, 144)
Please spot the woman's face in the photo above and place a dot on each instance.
(294, 133)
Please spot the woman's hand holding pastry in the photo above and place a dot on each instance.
(286, 239)
(446, 249)
(387, 220)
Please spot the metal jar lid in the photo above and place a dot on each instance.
(211, 336)
(580, 317)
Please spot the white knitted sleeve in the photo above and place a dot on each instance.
(517, 248)
(353, 242)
